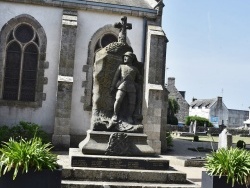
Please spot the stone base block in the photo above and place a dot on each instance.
(97, 143)
(118, 162)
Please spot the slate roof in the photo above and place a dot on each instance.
(132, 3)
(203, 103)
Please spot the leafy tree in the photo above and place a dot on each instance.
(200, 121)
(173, 108)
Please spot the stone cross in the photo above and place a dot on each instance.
(123, 29)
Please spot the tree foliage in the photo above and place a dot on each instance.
(200, 121)
(173, 108)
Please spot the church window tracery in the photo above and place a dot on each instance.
(22, 62)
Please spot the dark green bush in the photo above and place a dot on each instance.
(241, 144)
(169, 139)
(25, 130)
(200, 121)
(173, 108)
(196, 138)
(5, 133)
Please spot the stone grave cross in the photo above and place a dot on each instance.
(123, 29)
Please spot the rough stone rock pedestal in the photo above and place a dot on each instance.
(98, 138)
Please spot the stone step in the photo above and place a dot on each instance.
(124, 175)
(95, 184)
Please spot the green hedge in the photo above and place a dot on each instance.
(25, 130)
(200, 121)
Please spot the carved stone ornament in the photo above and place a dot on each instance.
(118, 145)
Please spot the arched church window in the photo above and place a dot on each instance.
(21, 63)
(105, 40)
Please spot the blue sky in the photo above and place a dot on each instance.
(209, 49)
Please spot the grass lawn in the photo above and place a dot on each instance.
(209, 138)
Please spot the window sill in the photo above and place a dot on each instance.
(21, 104)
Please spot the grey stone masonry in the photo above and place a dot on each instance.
(156, 96)
(61, 136)
(175, 94)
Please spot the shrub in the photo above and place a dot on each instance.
(25, 130)
(196, 138)
(200, 121)
(169, 139)
(241, 144)
(25, 155)
(173, 108)
(5, 133)
(233, 163)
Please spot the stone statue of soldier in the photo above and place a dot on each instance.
(126, 81)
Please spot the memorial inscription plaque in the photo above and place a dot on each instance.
(120, 163)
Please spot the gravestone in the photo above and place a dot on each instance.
(194, 127)
(191, 127)
(205, 127)
(225, 139)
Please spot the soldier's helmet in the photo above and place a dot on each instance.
(130, 54)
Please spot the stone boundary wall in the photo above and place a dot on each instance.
(211, 130)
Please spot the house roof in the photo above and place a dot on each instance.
(203, 103)
(141, 8)
(137, 5)
(131, 3)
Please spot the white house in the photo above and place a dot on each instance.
(247, 122)
(217, 112)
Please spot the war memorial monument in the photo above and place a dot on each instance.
(116, 148)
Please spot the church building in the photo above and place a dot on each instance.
(47, 51)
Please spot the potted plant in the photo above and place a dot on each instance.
(227, 168)
(28, 163)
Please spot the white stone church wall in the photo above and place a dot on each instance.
(51, 19)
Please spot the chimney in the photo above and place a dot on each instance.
(194, 99)
(171, 81)
(182, 93)
(219, 101)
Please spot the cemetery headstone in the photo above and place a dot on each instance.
(194, 127)
(205, 127)
(225, 139)
(191, 127)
